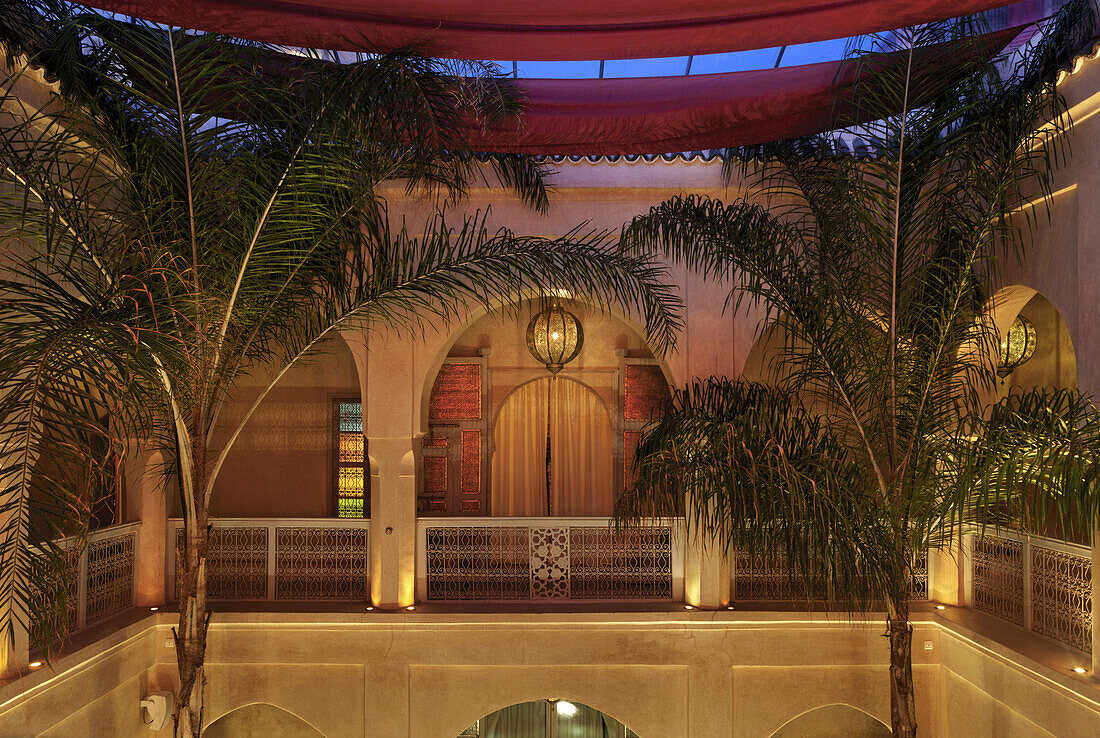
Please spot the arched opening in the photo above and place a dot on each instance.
(293, 458)
(581, 451)
(833, 721)
(471, 465)
(260, 720)
(1053, 365)
(547, 719)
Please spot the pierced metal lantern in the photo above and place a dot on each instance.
(554, 337)
(1016, 347)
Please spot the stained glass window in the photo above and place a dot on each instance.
(349, 473)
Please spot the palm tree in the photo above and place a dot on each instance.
(875, 439)
(192, 208)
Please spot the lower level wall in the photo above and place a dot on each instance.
(666, 675)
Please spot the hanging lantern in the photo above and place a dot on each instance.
(554, 337)
(1016, 347)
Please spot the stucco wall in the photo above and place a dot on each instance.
(664, 675)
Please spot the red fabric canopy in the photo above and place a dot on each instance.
(546, 29)
(652, 115)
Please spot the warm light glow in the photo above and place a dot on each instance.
(153, 609)
(555, 335)
(1080, 670)
(410, 608)
(940, 607)
(688, 607)
(369, 608)
(35, 664)
(729, 607)
(566, 709)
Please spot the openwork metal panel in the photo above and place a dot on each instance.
(550, 563)
(456, 394)
(468, 563)
(110, 576)
(236, 563)
(998, 577)
(1061, 596)
(633, 564)
(321, 563)
(760, 577)
(920, 576)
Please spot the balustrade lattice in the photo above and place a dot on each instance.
(321, 563)
(919, 575)
(97, 582)
(998, 577)
(1061, 596)
(469, 563)
(547, 563)
(110, 576)
(632, 564)
(287, 559)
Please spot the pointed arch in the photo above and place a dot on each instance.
(260, 720)
(833, 721)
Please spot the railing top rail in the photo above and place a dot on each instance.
(1074, 549)
(113, 530)
(532, 522)
(281, 522)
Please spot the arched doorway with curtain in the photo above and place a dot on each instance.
(581, 457)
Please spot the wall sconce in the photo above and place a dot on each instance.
(1017, 346)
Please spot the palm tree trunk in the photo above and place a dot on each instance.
(903, 715)
(194, 619)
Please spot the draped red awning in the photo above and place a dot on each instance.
(652, 115)
(546, 29)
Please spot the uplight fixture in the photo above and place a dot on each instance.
(35, 664)
(153, 609)
(370, 608)
(410, 608)
(941, 607)
(1080, 670)
(688, 607)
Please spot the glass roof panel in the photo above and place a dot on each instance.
(558, 69)
(734, 61)
(818, 51)
(669, 66)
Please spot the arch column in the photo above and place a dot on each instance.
(146, 500)
(706, 568)
(386, 384)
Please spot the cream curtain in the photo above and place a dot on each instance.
(582, 456)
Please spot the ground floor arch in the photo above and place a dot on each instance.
(260, 720)
(547, 718)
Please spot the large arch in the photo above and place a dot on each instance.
(443, 344)
(287, 445)
(260, 720)
(833, 721)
